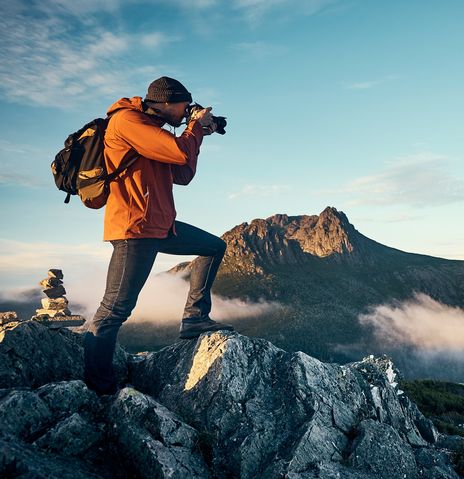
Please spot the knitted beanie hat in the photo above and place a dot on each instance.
(167, 89)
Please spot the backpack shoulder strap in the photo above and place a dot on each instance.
(129, 159)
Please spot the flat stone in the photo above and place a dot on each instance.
(55, 273)
(53, 313)
(55, 292)
(64, 321)
(50, 282)
(8, 317)
(59, 304)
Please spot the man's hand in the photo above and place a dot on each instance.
(206, 120)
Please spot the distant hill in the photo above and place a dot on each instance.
(325, 273)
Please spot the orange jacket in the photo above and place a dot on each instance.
(141, 203)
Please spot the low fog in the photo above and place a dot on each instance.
(155, 321)
(420, 321)
(425, 336)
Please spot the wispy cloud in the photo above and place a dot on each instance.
(79, 8)
(258, 190)
(53, 52)
(415, 180)
(367, 84)
(56, 51)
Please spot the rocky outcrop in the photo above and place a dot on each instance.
(222, 406)
(268, 413)
(33, 354)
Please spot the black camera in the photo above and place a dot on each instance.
(219, 121)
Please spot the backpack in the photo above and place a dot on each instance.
(80, 169)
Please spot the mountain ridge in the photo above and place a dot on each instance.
(254, 247)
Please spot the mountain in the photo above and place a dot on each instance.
(324, 274)
(220, 406)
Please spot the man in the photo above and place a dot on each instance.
(140, 218)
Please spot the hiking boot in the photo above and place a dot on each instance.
(193, 327)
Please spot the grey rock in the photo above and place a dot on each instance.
(153, 439)
(330, 470)
(319, 442)
(452, 443)
(60, 419)
(69, 397)
(72, 436)
(263, 412)
(23, 461)
(434, 464)
(389, 405)
(221, 406)
(23, 414)
(380, 450)
(31, 354)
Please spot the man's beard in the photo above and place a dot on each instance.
(173, 123)
(165, 117)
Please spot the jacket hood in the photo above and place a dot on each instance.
(134, 103)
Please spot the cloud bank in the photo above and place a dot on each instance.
(161, 301)
(163, 298)
(421, 322)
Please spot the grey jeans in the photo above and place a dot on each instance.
(130, 265)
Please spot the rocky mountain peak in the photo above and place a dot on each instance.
(332, 216)
(281, 239)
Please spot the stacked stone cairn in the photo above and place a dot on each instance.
(55, 310)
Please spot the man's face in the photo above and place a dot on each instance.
(172, 113)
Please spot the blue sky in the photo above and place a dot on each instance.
(347, 103)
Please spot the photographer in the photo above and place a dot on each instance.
(140, 217)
